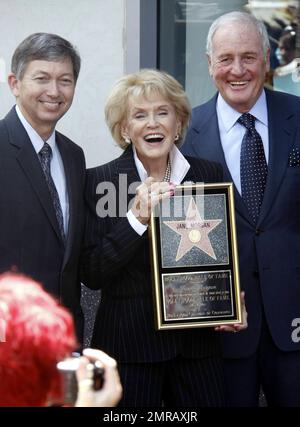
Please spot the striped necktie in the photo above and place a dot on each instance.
(45, 155)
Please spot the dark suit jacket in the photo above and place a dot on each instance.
(30, 240)
(118, 262)
(269, 252)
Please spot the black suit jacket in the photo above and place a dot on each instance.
(117, 261)
(30, 240)
(269, 252)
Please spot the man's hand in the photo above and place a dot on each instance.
(236, 327)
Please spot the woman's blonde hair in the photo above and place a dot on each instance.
(145, 83)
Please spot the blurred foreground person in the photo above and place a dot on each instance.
(36, 333)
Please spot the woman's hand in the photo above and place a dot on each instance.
(111, 391)
(237, 326)
(148, 194)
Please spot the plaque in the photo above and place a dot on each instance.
(194, 258)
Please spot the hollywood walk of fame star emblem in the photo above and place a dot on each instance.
(194, 231)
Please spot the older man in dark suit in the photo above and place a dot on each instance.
(255, 135)
(42, 171)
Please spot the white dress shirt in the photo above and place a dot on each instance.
(179, 168)
(56, 165)
(232, 133)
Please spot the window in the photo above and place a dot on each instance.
(183, 27)
(173, 38)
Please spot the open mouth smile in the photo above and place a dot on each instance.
(51, 104)
(154, 138)
(239, 84)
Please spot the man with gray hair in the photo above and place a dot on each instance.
(42, 171)
(255, 134)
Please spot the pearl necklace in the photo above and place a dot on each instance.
(167, 176)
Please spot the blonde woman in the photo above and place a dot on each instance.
(147, 113)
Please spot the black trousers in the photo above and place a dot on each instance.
(173, 383)
(275, 371)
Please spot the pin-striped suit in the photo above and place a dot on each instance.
(117, 261)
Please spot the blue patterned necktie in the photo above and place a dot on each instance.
(253, 166)
(45, 155)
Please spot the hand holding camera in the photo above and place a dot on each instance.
(90, 380)
(97, 387)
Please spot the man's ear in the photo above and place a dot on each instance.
(209, 65)
(268, 61)
(13, 83)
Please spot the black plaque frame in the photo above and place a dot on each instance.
(196, 283)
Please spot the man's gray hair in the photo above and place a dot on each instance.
(43, 46)
(238, 17)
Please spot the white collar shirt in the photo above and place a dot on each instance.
(56, 165)
(232, 133)
(179, 169)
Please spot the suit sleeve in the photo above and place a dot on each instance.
(110, 241)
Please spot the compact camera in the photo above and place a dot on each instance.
(68, 368)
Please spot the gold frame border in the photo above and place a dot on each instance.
(156, 282)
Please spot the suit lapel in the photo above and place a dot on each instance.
(282, 127)
(29, 162)
(126, 166)
(207, 128)
(208, 145)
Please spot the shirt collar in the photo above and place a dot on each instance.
(229, 116)
(179, 165)
(34, 137)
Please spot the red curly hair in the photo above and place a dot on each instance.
(36, 332)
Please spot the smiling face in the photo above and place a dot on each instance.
(238, 64)
(152, 126)
(45, 93)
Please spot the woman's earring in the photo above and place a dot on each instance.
(177, 137)
(127, 139)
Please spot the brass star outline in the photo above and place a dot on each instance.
(194, 231)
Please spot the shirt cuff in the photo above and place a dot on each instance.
(136, 224)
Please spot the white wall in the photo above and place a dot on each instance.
(96, 28)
